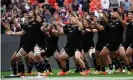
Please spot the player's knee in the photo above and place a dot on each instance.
(77, 58)
(13, 59)
(31, 60)
(127, 55)
(61, 59)
(123, 55)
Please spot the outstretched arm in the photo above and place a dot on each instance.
(11, 33)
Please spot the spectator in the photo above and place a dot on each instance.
(132, 7)
(75, 6)
(127, 5)
(114, 3)
(85, 5)
(60, 3)
(131, 2)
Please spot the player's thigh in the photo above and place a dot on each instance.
(105, 51)
(129, 51)
(31, 57)
(14, 55)
(78, 54)
(121, 51)
(22, 52)
(63, 56)
(57, 54)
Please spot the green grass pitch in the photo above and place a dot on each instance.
(71, 74)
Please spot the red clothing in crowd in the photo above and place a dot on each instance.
(32, 1)
(69, 1)
(52, 2)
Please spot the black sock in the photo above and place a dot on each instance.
(94, 58)
(29, 67)
(86, 64)
(113, 61)
(21, 66)
(47, 65)
(58, 63)
(38, 66)
(14, 68)
(98, 67)
(103, 69)
(123, 66)
(22, 70)
(42, 66)
(83, 69)
(67, 65)
(128, 67)
(77, 67)
(118, 64)
(131, 65)
(110, 67)
(64, 69)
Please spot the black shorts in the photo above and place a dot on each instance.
(20, 46)
(29, 47)
(131, 45)
(100, 45)
(17, 50)
(42, 46)
(87, 47)
(113, 47)
(49, 51)
(127, 44)
(70, 50)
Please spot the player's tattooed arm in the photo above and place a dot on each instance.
(59, 26)
(124, 24)
(98, 26)
(11, 33)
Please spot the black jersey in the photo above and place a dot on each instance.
(115, 32)
(52, 40)
(87, 37)
(102, 34)
(73, 35)
(41, 38)
(23, 37)
(129, 32)
(32, 30)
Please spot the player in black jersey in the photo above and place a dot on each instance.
(32, 30)
(87, 38)
(101, 41)
(21, 70)
(73, 45)
(51, 42)
(115, 31)
(129, 39)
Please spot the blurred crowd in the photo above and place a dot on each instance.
(18, 8)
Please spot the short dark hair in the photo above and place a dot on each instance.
(130, 11)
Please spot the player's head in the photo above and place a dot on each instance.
(130, 15)
(72, 19)
(39, 19)
(85, 23)
(114, 15)
(31, 13)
